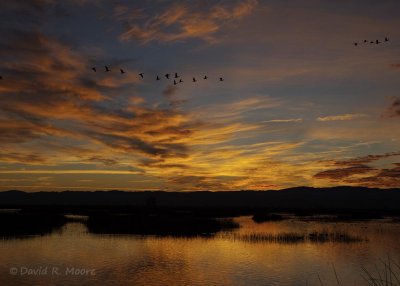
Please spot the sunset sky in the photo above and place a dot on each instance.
(300, 104)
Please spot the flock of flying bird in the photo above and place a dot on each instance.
(167, 76)
(176, 77)
(377, 42)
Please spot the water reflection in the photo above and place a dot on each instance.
(221, 260)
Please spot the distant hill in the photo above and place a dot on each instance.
(301, 198)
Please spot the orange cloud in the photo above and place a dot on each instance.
(51, 92)
(54, 110)
(180, 21)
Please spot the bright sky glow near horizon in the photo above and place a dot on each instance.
(300, 104)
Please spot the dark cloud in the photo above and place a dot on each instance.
(19, 131)
(170, 93)
(356, 171)
(35, 14)
(365, 159)
(389, 178)
(171, 130)
(394, 109)
(391, 173)
(159, 163)
(19, 13)
(25, 158)
(198, 183)
(103, 160)
(342, 173)
(127, 144)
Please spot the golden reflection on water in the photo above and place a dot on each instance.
(135, 260)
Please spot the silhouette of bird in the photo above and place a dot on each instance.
(122, 71)
(174, 82)
(1, 77)
(94, 69)
(194, 80)
(386, 39)
(377, 42)
(221, 79)
(205, 77)
(180, 80)
(372, 42)
(365, 41)
(158, 78)
(107, 69)
(176, 75)
(167, 75)
(141, 75)
(355, 44)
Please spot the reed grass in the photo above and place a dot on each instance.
(292, 237)
(387, 273)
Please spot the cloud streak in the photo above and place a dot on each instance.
(177, 22)
(342, 117)
(284, 120)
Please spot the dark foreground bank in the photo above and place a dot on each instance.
(299, 199)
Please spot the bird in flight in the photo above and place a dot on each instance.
(158, 78)
(94, 69)
(205, 77)
(122, 71)
(176, 75)
(221, 79)
(174, 82)
(373, 41)
(167, 75)
(141, 75)
(194, 80)
(107, 69)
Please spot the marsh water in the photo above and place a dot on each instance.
(73, 256)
